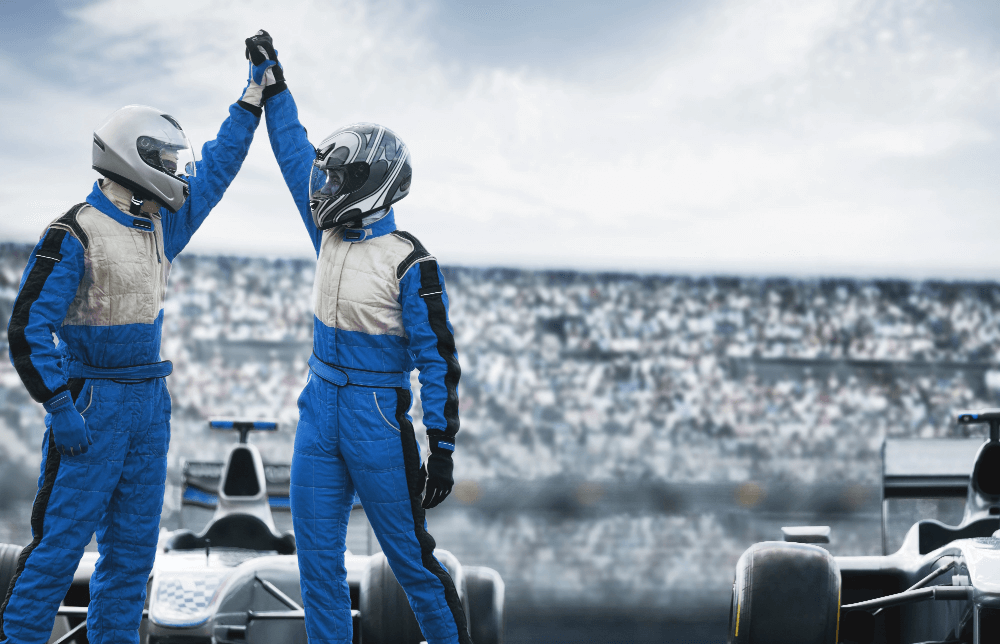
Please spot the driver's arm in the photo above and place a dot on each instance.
(50, 281)
(294, 153)
(220, 160)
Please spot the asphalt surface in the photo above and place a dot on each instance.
(567, 626)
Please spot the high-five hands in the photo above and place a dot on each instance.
(266, 77)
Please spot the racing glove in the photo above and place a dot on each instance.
(267, 77)
(69, 429)
(440, 468)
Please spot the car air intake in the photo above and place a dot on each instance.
(987, 472)
(989, 625)
(241, 477)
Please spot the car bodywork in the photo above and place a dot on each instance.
(942, 584)
(236, 581)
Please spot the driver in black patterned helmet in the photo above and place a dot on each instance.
(381, 310)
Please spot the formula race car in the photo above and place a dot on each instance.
(941, 586)
(236, 581)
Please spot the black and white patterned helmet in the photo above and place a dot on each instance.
(359, 169)
(146, 151)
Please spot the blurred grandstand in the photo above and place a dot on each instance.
(624, 437)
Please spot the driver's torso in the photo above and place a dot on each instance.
(116, 316)
(356, 299)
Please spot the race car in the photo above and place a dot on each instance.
(236, 581)
(941, 586)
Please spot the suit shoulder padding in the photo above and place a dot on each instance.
(417, 254)
(69, 223)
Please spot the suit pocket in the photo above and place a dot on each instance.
(378, 410)
(86, 398)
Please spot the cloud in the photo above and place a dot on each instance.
(762, 136)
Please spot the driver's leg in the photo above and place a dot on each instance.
(73, 492)
(380, 448)
(321, 496)
(127, 534)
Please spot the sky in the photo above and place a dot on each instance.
(846, 137)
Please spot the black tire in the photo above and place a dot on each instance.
(386, 616)
(485, 591)
(9, 554)
(785, 593)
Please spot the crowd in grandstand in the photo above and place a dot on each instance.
(596, 376)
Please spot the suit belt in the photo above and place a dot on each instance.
(341, 376)
(75, 369)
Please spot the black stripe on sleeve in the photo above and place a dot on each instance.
(437, 315)
(38, 510)
(20, 350)
(415, 478)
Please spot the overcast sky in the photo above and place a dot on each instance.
(819, 137)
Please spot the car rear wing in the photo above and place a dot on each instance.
(925, 469)
(201, 484)
(201, 478)
(244, 427)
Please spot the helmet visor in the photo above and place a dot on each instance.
(326, 183)
(329, 181)
(175, 158)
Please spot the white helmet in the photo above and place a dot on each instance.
(146, 151)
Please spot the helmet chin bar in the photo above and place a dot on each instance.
(350, 218)
(136, 189)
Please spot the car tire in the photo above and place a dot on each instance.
(485, 592)
(386, 616)
(9, 554)
(785, 593)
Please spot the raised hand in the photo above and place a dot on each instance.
(266, 77)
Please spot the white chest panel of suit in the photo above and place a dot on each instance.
(356, 287)
(125, 273)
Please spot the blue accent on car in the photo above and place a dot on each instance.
(194, 495)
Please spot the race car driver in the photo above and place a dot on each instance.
(380, 309)
(85, 339)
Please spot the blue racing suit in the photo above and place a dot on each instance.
(96, 281)
(380, 310)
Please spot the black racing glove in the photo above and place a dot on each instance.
(267, 77)
(440, 468)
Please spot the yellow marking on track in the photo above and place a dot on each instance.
(737, 620)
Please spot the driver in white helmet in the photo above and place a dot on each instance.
(96, 282)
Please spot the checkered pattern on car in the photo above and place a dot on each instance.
(187, 595)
